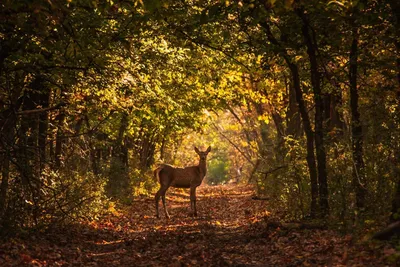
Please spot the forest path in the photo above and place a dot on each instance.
(230, 231)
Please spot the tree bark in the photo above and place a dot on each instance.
(5, 176)
(118, 181)
(309, 137)
(395, 6)
(8, 122)
(43, 123)
(59, 141)
(263, 126)
(293, 116)
(7, 126)
(319, 117)
(312, 168)
(356, 128)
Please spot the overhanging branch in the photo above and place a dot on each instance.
(40, 110)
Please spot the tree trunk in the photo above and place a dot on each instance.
(94, 159)
(356, 128)
(118, 181)
(292, 115)
(59, 140)
(5, 176)
(395, 6)
(8, 121)
(263, 127)
(43, 101)
(7, 126)
(319, 117)
(27, 135)
(28, 157)
(280, 151)
(147, 153)
(312, 168)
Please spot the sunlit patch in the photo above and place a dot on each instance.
(113, 242)
(101, 254)
(218, 223)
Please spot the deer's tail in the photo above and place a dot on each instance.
(156, 173)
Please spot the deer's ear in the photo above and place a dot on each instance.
(197, 150)
(208, 149)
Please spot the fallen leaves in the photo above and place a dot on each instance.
(232, 229)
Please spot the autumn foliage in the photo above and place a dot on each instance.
(299, 100)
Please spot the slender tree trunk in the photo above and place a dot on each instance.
(263, 127)
(395, 6)
(268, 155)
(94, 159)
(59, 140)
(5, 176)
(309, 137)
(319, 117)
(27, 135)
(312, 168)
(8, 122)
(162, 148)
(253, 171)
(395, 212)
(7, 126)
(280, 151)
(118, 181)
(356, 128)
(28, 158)
(292, 115)
(336, 117)
(43, 127)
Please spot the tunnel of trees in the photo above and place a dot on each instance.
(299, 98)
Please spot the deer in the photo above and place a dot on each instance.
(188, 177)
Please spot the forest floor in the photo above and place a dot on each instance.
(231, 230)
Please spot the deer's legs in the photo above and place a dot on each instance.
(164, 204)
(193, 200)
(161, 193)
(157, 199)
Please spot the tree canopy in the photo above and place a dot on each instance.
(299, 98)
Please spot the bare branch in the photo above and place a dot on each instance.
(40, 110)
(233, 144)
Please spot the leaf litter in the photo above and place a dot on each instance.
(231, 230)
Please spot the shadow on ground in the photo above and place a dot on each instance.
(230, 231)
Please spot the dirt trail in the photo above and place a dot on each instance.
(213, 238)
(230, 231)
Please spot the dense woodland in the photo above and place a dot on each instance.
(299, 98)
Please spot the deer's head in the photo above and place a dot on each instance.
(202, 154)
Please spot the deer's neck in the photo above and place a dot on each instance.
(203, 167)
